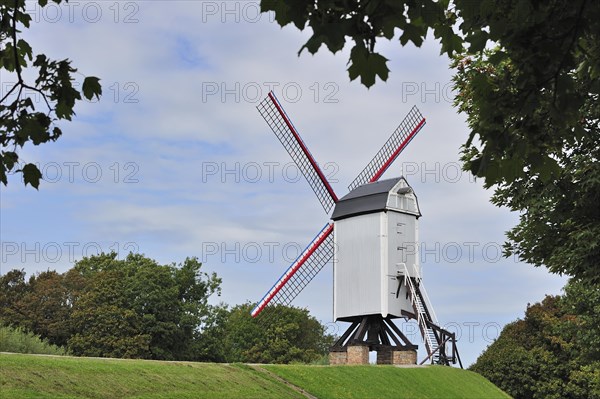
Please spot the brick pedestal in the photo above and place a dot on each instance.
(338, 358)
(404, 357)
(358, 354)
(396, 356)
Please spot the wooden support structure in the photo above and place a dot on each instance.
(373, 333)
(440, 355)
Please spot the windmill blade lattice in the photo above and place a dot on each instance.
(404, 133)
(273, 113)
(301, 272)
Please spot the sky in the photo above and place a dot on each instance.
(175, 161)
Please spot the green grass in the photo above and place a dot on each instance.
(35, 376)
(30, 376)
(388, 382)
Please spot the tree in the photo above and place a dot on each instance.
(552, 352)
(103, 322)
(364, 22)
(528, 80)
(20, 122)
(539, 133)
(104, 306)
(138, 308)
(46, 307)
(292, 335)
(12, 290)
(209, 344)
(42, 305)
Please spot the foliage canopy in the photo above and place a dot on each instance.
(20, 121)
(137, 308)
(553, 352)
(108, 307)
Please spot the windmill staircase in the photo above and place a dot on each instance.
(440, 343)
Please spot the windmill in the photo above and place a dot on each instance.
(373, 239)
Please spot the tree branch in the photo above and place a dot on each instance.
(18, 69)
(14, 39)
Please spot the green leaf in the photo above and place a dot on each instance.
(415, 34)
(367, 66)
(31, 175)
(498, 57)
(91, 87)
(63, 111)
(523, 11)
(56, 133)
(25, 49)
(40, 60)
(477, 41)
(371, 6)
(548, 168)
(7, 60)
(287, 12)
(451, 42)
(487, 7)
(9, 159)
(279, 8)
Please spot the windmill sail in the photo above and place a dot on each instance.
(301, 272)
(273, 113)
(404, 133)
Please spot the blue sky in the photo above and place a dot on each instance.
(175, 160)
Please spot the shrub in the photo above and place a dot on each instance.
(18, 340)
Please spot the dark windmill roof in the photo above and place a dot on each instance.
(368, 198)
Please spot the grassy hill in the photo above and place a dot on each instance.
(33, 376)
(388, 382)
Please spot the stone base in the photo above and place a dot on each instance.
(352, 354)
(396, 356)
(338, 358)
(358, 354)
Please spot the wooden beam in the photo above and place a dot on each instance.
(390, 324)
(340, 342)
(361, 330)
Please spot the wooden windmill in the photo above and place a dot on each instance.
(373, 238)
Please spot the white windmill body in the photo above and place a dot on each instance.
(376, 246)
(373, 241)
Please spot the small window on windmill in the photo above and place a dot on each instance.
(404, 202)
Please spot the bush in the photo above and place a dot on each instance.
(18, 340)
